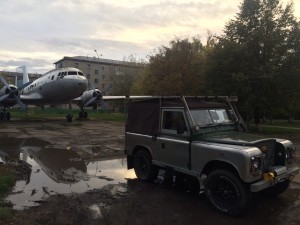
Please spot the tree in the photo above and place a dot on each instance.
(126, 75)
(6, 78)
(256, 52)
(175, 70)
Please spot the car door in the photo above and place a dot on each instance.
(173, 143)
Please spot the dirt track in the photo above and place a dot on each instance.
(133, 202)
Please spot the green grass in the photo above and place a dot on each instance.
(284, 123)
(7, 181)
(6, 213)
(37, 113)
(275, 129)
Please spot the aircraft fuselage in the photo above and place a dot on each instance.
(55, 87)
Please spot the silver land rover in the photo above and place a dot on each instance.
(203, 138)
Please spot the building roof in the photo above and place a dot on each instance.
(98, 60)
(19, 74)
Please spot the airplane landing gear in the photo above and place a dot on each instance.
(4, 115)
(69, 117)
(82, 114)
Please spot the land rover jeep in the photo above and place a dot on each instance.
(204, 139)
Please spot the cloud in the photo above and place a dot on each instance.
(47, 30)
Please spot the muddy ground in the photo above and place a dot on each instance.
(132, 202)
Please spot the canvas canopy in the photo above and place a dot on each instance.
(143, 115)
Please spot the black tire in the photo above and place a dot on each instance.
(85, 115)
(276, 189)
(226, 192)
(143, 167)
(69, 118)
(7, 116)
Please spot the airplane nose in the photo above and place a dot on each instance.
(83, 82)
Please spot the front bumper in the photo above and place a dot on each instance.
(282, 174)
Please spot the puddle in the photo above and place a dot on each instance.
(49, 171)
(95, 211)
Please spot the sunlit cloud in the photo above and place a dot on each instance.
(44, 31)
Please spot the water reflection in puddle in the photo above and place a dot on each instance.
(58, 171)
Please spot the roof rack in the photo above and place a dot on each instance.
(229, 98)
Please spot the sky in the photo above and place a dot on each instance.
(37, 33)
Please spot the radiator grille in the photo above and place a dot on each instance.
(268, 152)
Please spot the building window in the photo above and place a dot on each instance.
(76, 65)
(96, 81)
(104, 77)
(96, 72)
(103, 68)
(103, 86)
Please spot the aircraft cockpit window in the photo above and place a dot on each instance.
(80, 73)
(72, 72)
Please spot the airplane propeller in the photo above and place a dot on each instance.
(12, 92)
(96, 96)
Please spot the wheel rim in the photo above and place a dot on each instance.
(143, 167)
(223, 193)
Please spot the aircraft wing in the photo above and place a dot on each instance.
(77, 99)
(125, 97)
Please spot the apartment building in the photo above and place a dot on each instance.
(112, 77)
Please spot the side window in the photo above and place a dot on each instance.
(173, 121)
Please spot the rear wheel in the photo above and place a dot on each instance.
(226, 192)
(143, 167)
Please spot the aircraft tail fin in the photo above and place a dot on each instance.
(25, 74)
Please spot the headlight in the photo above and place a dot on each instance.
(255, 165)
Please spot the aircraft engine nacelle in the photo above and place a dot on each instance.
(5, 91)
(91, 97)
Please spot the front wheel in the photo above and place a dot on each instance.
(226, 192)
(143, 167)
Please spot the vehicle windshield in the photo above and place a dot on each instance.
(204, 117)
